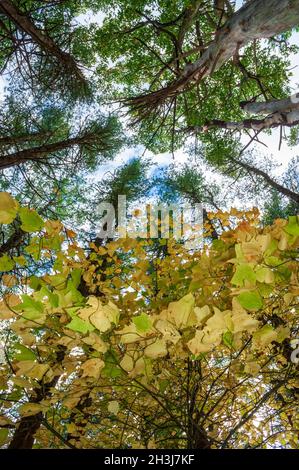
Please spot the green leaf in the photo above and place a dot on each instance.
(243, 273)
(31, 221)
(273, 261)
(3, 436)
(76, 277)
(21, 260)
(292, 228)
(163, 384)
(77, 324)
(34, 282)
(227, 339)
(76, 295)
(265, 275)
(45, 292)
(32, 308)
(23, 354)
(6, 263)
(250, 300)
(34, 248)
(264, 336)
(111, 369)
(142, 322)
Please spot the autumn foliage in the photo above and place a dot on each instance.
(143, 344)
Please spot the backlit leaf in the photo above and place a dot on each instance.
(31, 221)
(250, 300)
(8, 208)
(142, 322)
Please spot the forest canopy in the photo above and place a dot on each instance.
(146, 339)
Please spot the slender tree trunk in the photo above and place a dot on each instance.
(23, 437)
(38, 153)
(45, 42)
(18, 139)
(256, 171)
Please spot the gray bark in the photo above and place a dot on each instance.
(275, 120)
(257, 19)
(273, 106)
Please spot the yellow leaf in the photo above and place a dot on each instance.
(99, 315)
(30, 409)
(252, 368)
(139, 368)
(157, 349)
(283, 332)
(32, 369)
(288, 298)
(96, 342)
(202, 313)
(113, 407)
(4, 420)
(7, 306)
(129, 334)
(242, 321)
(283, 242)
(71, 428)
(168, 331)
(22, 382)
(8, 208)
(9, 280)
(197, 346)
(92, 368)
(264, 337)
(179, 312)
(127, 363)
(220, 321)
(71, 402)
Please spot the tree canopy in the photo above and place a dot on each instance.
(148, 340)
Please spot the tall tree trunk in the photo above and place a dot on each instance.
(257, 19)
(45, 42)
(38, 153)
(24, 434)
(17, 139)
(23, 437)
(256, 171)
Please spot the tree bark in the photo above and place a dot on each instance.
(13, 242)
(273, 106)
(44, 41)
(275, 120)
(256, 171)
(37, 153)
(23, 437)
(257, 19)
(18, 139)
